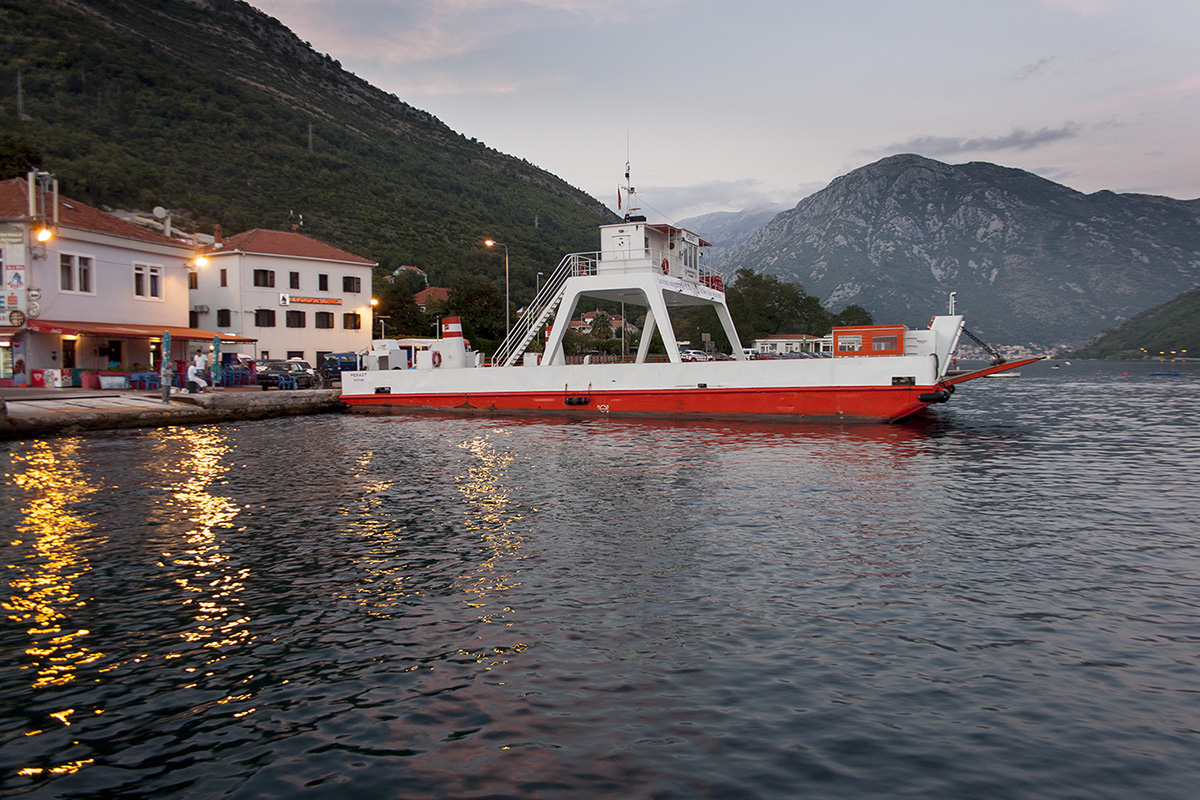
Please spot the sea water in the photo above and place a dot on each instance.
(999, 599)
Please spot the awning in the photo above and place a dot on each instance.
(123, 331)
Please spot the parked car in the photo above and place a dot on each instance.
(694, 355)
(300, 372)
(334, 364)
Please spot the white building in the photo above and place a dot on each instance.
(298, 297)
(99, 293)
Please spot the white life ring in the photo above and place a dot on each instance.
(666, 267)
(437, 359)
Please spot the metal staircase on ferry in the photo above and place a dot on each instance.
(542, 309)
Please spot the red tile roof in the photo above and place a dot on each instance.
(432, 293)
(285, 243)
(14, 205)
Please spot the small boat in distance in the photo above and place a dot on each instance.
(875, 372)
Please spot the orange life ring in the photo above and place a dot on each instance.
(437, 359)
(666, 267)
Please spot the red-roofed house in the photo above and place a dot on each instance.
(300, 298)
(427, 295)
(100, 290)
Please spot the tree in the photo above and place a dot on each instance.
(854, 315)
(481, 306)
(601, 326)
(396, 302)
(17, 157)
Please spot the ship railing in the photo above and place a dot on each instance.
(543, 307)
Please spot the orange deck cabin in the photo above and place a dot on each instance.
(869, 340)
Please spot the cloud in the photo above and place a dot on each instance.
(681, 202)
(1084, 8)
(1017, 139)
(1039, 67)
(391, 34)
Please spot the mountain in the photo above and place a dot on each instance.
(1172, 329)
(217, 111)
(726, 230)
(1032, 261)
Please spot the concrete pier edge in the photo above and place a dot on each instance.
(43, 416)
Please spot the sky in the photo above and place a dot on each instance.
(722, 106)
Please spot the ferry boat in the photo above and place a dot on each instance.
(875, 372)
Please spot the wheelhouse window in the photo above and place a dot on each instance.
(75, 274)
(295, 319)
(352, 322)
(352, 284)
(885, 342)
(264, 318)
(323, 319)
(147, 282)
(849, 344)
(264, 277)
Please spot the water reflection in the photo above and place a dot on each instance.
(208, 576)
(495, 518)
(45, 594)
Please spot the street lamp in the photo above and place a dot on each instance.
(494, 243)
(374, 305)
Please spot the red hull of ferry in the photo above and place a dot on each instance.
(869, 403)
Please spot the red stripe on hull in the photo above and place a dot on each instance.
(886, 403)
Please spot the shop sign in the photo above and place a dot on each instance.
(323, 301)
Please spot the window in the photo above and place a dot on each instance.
(885, 342)
(351, 283)
(294, 280)
(224, 277)
(351, 322)
(75, 274)
(296, 354)
(147, 282)
(264, 318)
(323, 319)
(849, 344)
(323, 283)
(224, 318)
(295, 319)
(264, 277)
(193, 280)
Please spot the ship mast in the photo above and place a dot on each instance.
(628, 194)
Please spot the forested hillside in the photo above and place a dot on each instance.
(218, 112)
(1169, 330)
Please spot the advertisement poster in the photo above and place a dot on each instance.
(18, 356)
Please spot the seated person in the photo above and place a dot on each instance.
(195, 383)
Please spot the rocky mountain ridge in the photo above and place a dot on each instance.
(1031, 261)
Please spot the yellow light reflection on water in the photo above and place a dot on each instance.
(211, 585)
(44, 586)
(492, 513)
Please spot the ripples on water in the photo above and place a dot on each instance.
(998, 601)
